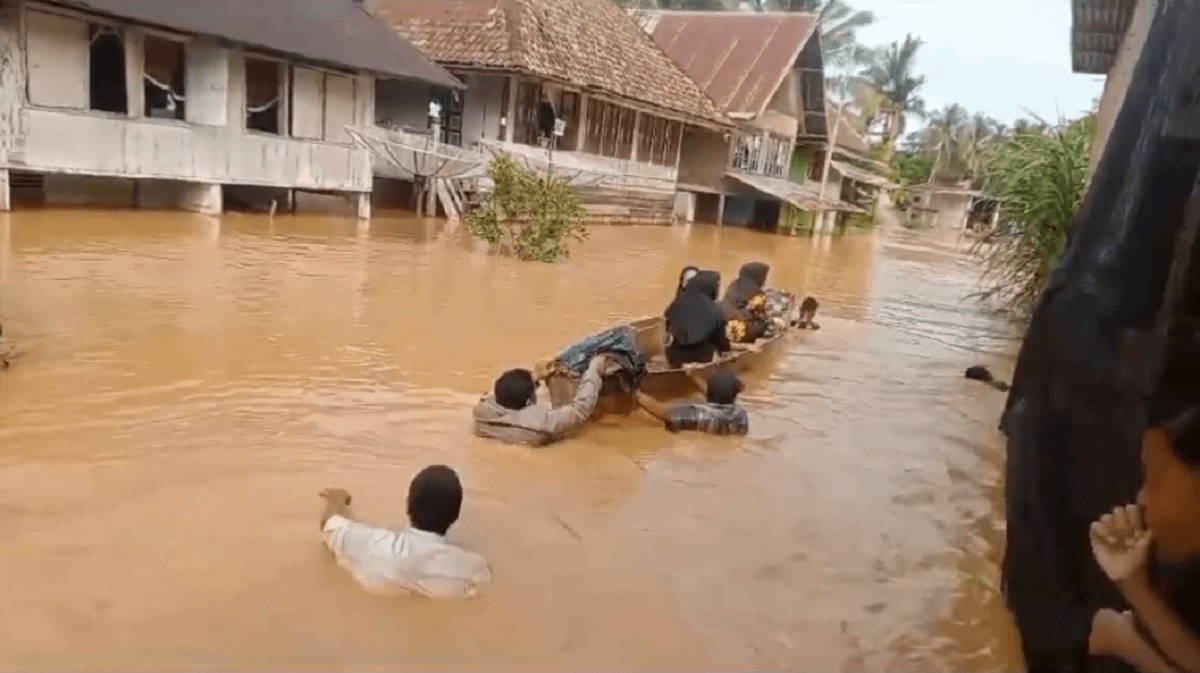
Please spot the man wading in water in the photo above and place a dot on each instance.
(512, 413)
(719, 414)
(417, 559)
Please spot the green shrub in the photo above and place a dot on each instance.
(1038, 180)
(527, 214)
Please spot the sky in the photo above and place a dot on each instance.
(999, 57)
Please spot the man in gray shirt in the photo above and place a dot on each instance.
(512, 413)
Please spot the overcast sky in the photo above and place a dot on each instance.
(993, 56)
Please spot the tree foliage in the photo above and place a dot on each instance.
(1038, 179)
(528, 214)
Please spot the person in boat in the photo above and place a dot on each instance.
(1151, 551)
(513, 414)
(685, 276)
(417, 559)
(719, 414)
(751, 281)
(695, 324)
(753, 311)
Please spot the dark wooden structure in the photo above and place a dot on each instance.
(1119, 319)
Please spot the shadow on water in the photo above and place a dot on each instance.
(187, 385)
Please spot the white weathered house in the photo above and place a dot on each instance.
(764, 70)
(622, 102)
(171, 103)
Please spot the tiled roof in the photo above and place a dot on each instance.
(336, 32)
(739, 58)
(592, 44)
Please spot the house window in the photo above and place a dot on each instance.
(163, 79)
(264, 95)
(529, 96)
(568, 111)
(626, 125)
(505, 93)
(658, 140)
(106, 70)
(451, 102)
(742, 152)
(594, 137)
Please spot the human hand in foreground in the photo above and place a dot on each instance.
(337, 503)
(1121, 543)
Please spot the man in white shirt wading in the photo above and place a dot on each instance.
(417, 559)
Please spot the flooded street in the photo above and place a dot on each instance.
(181, 389)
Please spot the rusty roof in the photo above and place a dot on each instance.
(592, 44)
(739, 58)
(1097, 30)
(334, 32)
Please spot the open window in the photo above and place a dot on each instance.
(163, 79)
(264, 95)
(106, 70)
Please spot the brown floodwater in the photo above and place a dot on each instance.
(181, 388)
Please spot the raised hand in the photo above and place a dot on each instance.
(1121, 543)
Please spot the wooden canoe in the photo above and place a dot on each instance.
(662, 380)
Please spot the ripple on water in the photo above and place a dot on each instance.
(187, 387)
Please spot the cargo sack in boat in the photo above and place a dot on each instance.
(1098, 346)
(620, 343)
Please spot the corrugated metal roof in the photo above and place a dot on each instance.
(1097, 30)
(801, 196)
(855, 173)
(739, 58)
(593, 44)
(334, 32)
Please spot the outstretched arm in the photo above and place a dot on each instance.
(693, 373)
(566, 418)
(659, 410)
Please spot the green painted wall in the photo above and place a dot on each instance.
(801, 159)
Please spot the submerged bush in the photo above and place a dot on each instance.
(1038, 180)
(527, 214)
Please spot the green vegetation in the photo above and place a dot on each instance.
(527, 214)
(1039, 180)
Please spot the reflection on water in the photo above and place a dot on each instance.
(183, 387)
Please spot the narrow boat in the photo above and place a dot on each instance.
(1118, 324)
(661, 379)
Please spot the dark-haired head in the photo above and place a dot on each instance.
(435, 499)
(723, 387)
(516, 389)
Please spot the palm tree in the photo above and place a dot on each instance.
(943, 132)
(892, 74)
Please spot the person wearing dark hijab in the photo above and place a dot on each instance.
(745, 304)
(695, 324)
(751, 281)
(689, 272)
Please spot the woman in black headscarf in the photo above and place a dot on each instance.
(751, 280)
(695, 324)
(689, 272)
(745, 304)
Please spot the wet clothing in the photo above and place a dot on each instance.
(620, 344)
(695, 323)
(539, 424)
(751, 280)
(409, 561)
(715, 419)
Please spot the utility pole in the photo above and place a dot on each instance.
(829, 145)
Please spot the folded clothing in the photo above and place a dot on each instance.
(620, 344)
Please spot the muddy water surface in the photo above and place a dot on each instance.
(182, 387)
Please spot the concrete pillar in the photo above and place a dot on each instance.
(5, 193)
(364, 205)
(721, 210)
(202, 198)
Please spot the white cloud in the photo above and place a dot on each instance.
(990, 56)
